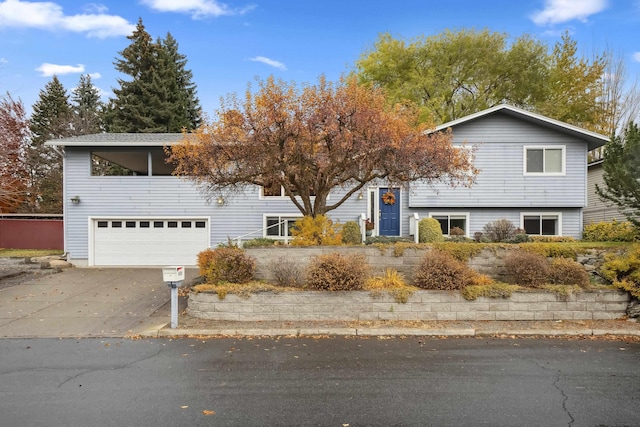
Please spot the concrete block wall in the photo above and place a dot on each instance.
(422, 305)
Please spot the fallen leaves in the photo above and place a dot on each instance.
(207, 412)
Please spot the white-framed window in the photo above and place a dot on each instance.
(449, 220)
(544, 160)
(541, 224)
(278, 226)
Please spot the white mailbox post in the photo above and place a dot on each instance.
(173, 275)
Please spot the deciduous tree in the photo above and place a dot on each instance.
(622, 173)
(313, 139)
(14, 128)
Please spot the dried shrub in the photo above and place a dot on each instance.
(315, 231)
(260, 242)
(500, 230)
(351, 233)
(551, 239)
(623, 270)
(336, 272)
(226, 264)
(456, 231)
(391, 282)
(563, 271)
(526, 268)
(429, 231)
(286, 272)
(611, 231)
(440, 270)
(551, 250)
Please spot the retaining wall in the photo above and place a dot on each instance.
(422, 305)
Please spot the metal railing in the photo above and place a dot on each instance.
(261, 231)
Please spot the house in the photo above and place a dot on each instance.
(533, 171)
(597, 209)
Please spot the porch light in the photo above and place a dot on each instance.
(75, 200)
(360, 196)
(220, 201)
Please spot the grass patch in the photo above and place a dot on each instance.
(462, 251)
(243, 290)
(28, 253)
(562, 290)
(392, 283)
(493, 290)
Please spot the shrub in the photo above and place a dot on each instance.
(336, 272)
(526, 268)
(391, 282)
(612, 231)
(440, 270)
(551, 239)
(429, 231)
(499, 230)
(563, 271)
(461, 251)
(551, 250)
(490, 290)
(623, 270)
(314, 231)
(259, 242)
(456, 231)
(386, 240)
(519, 238)
(286, 272)
(351, 233)
(226, 264)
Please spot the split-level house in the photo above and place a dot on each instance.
(532, 171)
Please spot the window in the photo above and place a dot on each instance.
(172, 224)
(279, 226)
(186, 224)
(450, 220)
(547, 224)
(158, 224)
(103, 224)
(544, 160)
(201, 224)
(144, 224)
(130, 224)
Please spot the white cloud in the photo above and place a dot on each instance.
(559, 11)
(276, 64)
(4, 61)
(95, 76)
(197, 8)
(636, 56)
(50, 16)
(48, 70)
(95, 8)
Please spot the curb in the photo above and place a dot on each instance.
(378, 332)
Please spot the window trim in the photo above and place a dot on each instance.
(541, 214)
(449, 215)
(544, 148)
(281, 216)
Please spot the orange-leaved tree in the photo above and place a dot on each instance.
(14, 129)
(313, 139)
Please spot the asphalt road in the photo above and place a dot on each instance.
(324, 381)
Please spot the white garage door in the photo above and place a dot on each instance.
(155, 241)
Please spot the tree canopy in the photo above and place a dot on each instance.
(14, 128)
(622, 173)
(87, 108)
(313, 139)
(453, 74)
(159, 95)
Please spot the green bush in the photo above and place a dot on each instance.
(500, 230)
(430, 231)
(314, 231)
(440, 270)
(563, 271)
(623, 270)
(351, 233)
(336, 272)
(526, 268)
(386, 240)
(551, 239)
(259, 242)
(226, 264)
(612, 231)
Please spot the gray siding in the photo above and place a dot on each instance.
(501, 182)
(598, 210)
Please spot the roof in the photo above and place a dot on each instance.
(594, 139)
(119, 140)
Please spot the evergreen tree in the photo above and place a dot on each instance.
(87, 107)
(622, 173)
(160, 97)
(51, 119)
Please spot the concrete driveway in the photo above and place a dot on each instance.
(87, 302)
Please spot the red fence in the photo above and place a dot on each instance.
(32, 233)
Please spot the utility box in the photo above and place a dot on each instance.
(173, 273)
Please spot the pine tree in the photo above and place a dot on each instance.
(87, 107)
(51, 119)
(160, 97)
(622, 173)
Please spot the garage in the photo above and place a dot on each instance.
(148, 241)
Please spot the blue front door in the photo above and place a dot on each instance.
(389, 212)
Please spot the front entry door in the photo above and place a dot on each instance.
(389, 212)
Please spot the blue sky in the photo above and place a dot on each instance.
(229, 44)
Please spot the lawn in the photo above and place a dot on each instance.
(28, 253)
